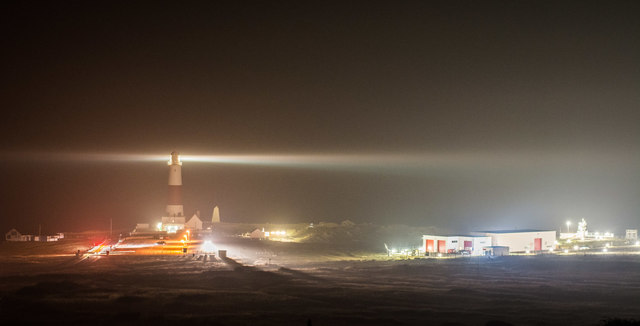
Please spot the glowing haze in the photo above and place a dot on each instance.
(465, 190)
(455, 114)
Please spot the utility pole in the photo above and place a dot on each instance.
(110, 228)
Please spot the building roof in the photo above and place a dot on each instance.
(14, 231)
(516, 231)
(194, 218)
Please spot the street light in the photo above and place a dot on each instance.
(568, 224)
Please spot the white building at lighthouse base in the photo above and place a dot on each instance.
(171, 224)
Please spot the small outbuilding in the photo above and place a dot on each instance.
(496, 251)
(257, 234)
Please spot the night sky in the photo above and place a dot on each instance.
(532, 106)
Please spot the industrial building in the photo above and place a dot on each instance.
(491, 242)
(456, 244)
(522, 240)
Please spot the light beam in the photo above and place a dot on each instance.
(396, 162)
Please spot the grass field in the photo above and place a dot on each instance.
(266, 283)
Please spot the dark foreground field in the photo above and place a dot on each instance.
(178, 290)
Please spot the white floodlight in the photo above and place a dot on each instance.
(208, 247)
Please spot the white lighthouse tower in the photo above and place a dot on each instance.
(174, 214)
(174, 203)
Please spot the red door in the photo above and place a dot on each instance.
(430, 246)
(468, 245)
(442, 246)
(537, 244)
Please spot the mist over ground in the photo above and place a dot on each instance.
(327, 283)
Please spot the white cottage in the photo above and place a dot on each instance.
(194, 222)
(13, 235)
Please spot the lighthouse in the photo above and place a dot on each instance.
(174, 202)
(174, 214)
